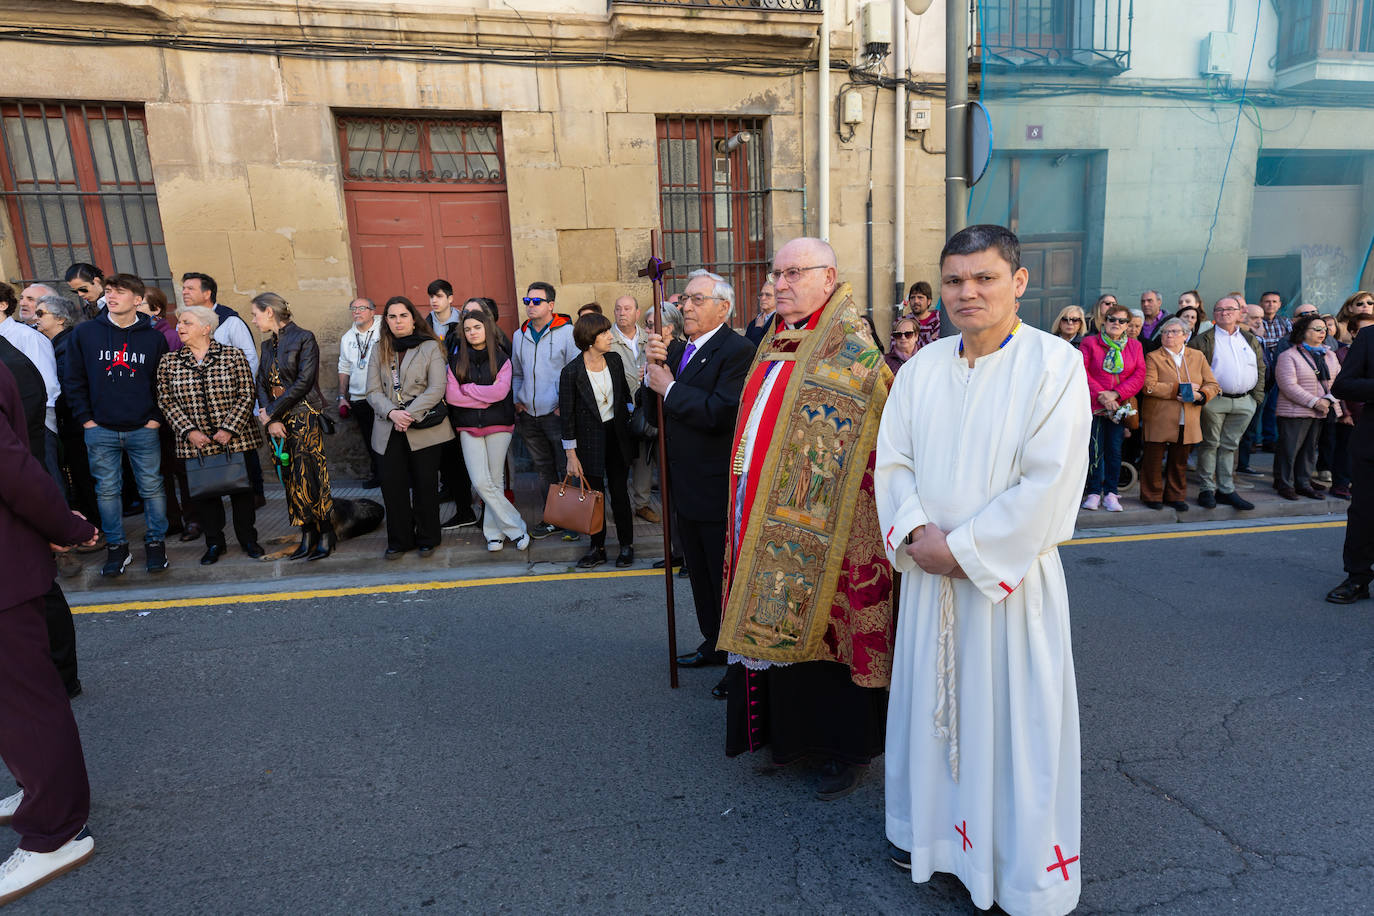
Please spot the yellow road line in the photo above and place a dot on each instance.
(1208, 532)
(406, 587)
(400, 587)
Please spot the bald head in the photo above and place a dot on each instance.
(627, 315)
(805, 274)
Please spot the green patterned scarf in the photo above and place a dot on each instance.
(1113, 363)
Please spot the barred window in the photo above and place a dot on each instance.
(414, 150)
(78, 186)
(713, 200)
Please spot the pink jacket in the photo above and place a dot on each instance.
(1299, 387)
(1126, 385)
(471, 394)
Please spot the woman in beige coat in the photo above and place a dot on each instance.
(1178, 381)
(406, 377)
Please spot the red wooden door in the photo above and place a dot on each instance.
(426, 199)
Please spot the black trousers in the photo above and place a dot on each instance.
(57, 614)
(454, 471)
(410, 490)
(80, 483)
(211, 512)
(38, 738)
(363, 415)
(703, 552)
(617, 482)
(1359, 518)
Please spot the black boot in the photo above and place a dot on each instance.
(325, 543)
(309, 539)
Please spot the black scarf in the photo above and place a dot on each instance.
(410, 341)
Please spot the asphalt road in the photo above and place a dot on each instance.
(515, 748)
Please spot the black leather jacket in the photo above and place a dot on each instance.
(296, 355)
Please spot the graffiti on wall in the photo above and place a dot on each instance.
(1325, 276)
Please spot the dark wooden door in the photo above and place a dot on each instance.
(1056, 268)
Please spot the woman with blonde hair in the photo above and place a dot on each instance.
(1069, 325)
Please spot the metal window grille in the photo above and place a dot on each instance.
(1324, 28)
(422, 151)
(714, 202)
(1070, 34)
(78, 185)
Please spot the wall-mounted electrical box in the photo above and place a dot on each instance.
(917, 114)
(1218, 57)
(875, 22)
(852, 107)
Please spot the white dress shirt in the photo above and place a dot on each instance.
(1233, 362)
(699, 343)
(39, 351)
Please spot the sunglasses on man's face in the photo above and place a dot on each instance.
(905, 335)
(533, 300)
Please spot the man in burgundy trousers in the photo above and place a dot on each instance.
(38, 738)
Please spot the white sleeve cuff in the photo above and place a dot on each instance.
(569, 443)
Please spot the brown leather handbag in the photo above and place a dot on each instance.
(575, 508)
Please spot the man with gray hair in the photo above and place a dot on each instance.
(28, 301)
(1237, 360)
(1152, 307)
(701, 379)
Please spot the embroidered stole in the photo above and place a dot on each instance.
(802, 488)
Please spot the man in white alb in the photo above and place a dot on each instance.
(981, 458)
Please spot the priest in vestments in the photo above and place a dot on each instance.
(807, 618)
(981, 460)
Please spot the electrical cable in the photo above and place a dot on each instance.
(1240, 108)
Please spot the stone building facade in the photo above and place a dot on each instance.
(244, 115)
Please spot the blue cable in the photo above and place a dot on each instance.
(1240, 111)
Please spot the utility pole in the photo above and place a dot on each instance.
(956, 116)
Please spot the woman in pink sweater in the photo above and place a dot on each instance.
(1304, 373)
(483, 414)
(1116, 373)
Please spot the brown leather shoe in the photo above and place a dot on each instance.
(649, 515)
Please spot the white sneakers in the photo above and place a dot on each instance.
(10, 805)
(523, 541)
(24, 871)
(1111, 502)
(1093, 502)
(495, 544)
(520, 543)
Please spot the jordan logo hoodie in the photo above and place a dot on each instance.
(111, 373)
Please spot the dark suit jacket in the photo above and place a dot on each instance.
(1355, 382)
(33, 394)
(32, 510)
(699, 420)
(582, 420)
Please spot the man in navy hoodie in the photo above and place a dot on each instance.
(111, 385)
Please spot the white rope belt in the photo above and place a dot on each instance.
(946, 689)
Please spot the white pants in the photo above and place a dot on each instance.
(485, 457)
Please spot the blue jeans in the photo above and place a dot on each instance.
(1269, 417)
(1105, 468)
(106, 447)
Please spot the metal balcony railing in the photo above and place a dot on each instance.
(1327, 29)
(791, 6)
(1084, 35)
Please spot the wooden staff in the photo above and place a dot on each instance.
(655, 270)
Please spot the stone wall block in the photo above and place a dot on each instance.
(581, 138)
(633, 250)
(306, 134)
(587, 256)
(295, 198)
(262, 261)
(592, 89)
(231, 135)
(527, 133)
(507, 88)
(222, 77)
(190, 203)
(542, 198)
(632, 138)
(623, 196)
(653, 92)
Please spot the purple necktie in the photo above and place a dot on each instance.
(686, 357)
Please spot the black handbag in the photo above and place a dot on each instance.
(224, 474)
(432, 417)
(642, 421)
